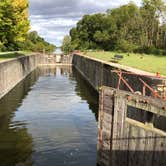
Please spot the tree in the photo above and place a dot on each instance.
(34, 42)
(6, 24)
(21, 21)
(75, 41)
(83, 36)
(152, 11)
(14, 28)
(127, 28)
(125, 23)
(66, 45)
(14, 23)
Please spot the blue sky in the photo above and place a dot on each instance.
(54, 18)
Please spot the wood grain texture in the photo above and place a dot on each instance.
(126, 141)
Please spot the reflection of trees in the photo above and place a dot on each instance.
(47, 70)
(15, 142)
(15, 147)
(55, 70)
(86, 92)
(66, 70)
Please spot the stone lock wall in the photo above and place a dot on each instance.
(57, 59)
(99, 73)
(131, 128)
(13, 71)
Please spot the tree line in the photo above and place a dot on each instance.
(128, 28)
(15, 26)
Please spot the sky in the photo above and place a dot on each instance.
(53, 19)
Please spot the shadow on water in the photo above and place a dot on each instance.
(86, 92)
(132, 157)
(15, 142)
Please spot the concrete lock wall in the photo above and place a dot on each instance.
(132, 130)
(96, 72)
(55, 59)
(99, 73)
(14, 71)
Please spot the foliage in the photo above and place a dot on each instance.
(35, 43)
(15, 26)
(14, 23)
(66, 45)
(127, 28)
(125, 46)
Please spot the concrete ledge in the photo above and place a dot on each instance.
(123, 67)
(15, 70)
(56, 64)
(12, 71)
(99, 73)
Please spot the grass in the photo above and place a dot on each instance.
(150, 63)
(11, 55)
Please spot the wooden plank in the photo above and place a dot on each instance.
(149, 148)
(132, 146)
(118, 123)
(159, 152)
(126, 141)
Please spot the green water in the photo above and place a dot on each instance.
(49, 119)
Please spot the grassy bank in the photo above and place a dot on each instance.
(150, 63)
(11, 55)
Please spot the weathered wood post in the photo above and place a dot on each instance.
(132, 129)
(105, 126)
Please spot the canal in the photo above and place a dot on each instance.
(49, 119)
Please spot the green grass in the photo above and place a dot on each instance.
(150, 63)
(11, 55)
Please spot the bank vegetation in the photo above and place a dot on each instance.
(128, 28)
(15, 32)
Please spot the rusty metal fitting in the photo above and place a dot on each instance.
(146, 101)
(164, 108)
(129, 98)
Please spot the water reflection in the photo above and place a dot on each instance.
(58, 51)
(47, 120)
(15, 142)
(86, 92)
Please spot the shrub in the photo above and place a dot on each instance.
(125, 46)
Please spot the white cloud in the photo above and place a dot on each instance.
(54, 18)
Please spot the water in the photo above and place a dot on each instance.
(58, 51)
(49, 120)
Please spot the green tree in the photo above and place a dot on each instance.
(21, 19)
(14, 23)
(152, 11)
(125, 22)
(6, 24)
(66, 45)
(34, 42)
(127, 28)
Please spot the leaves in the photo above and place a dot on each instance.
(35, 43)
(15, 26)
(66, 45)
(126, 28)
(14, 23)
